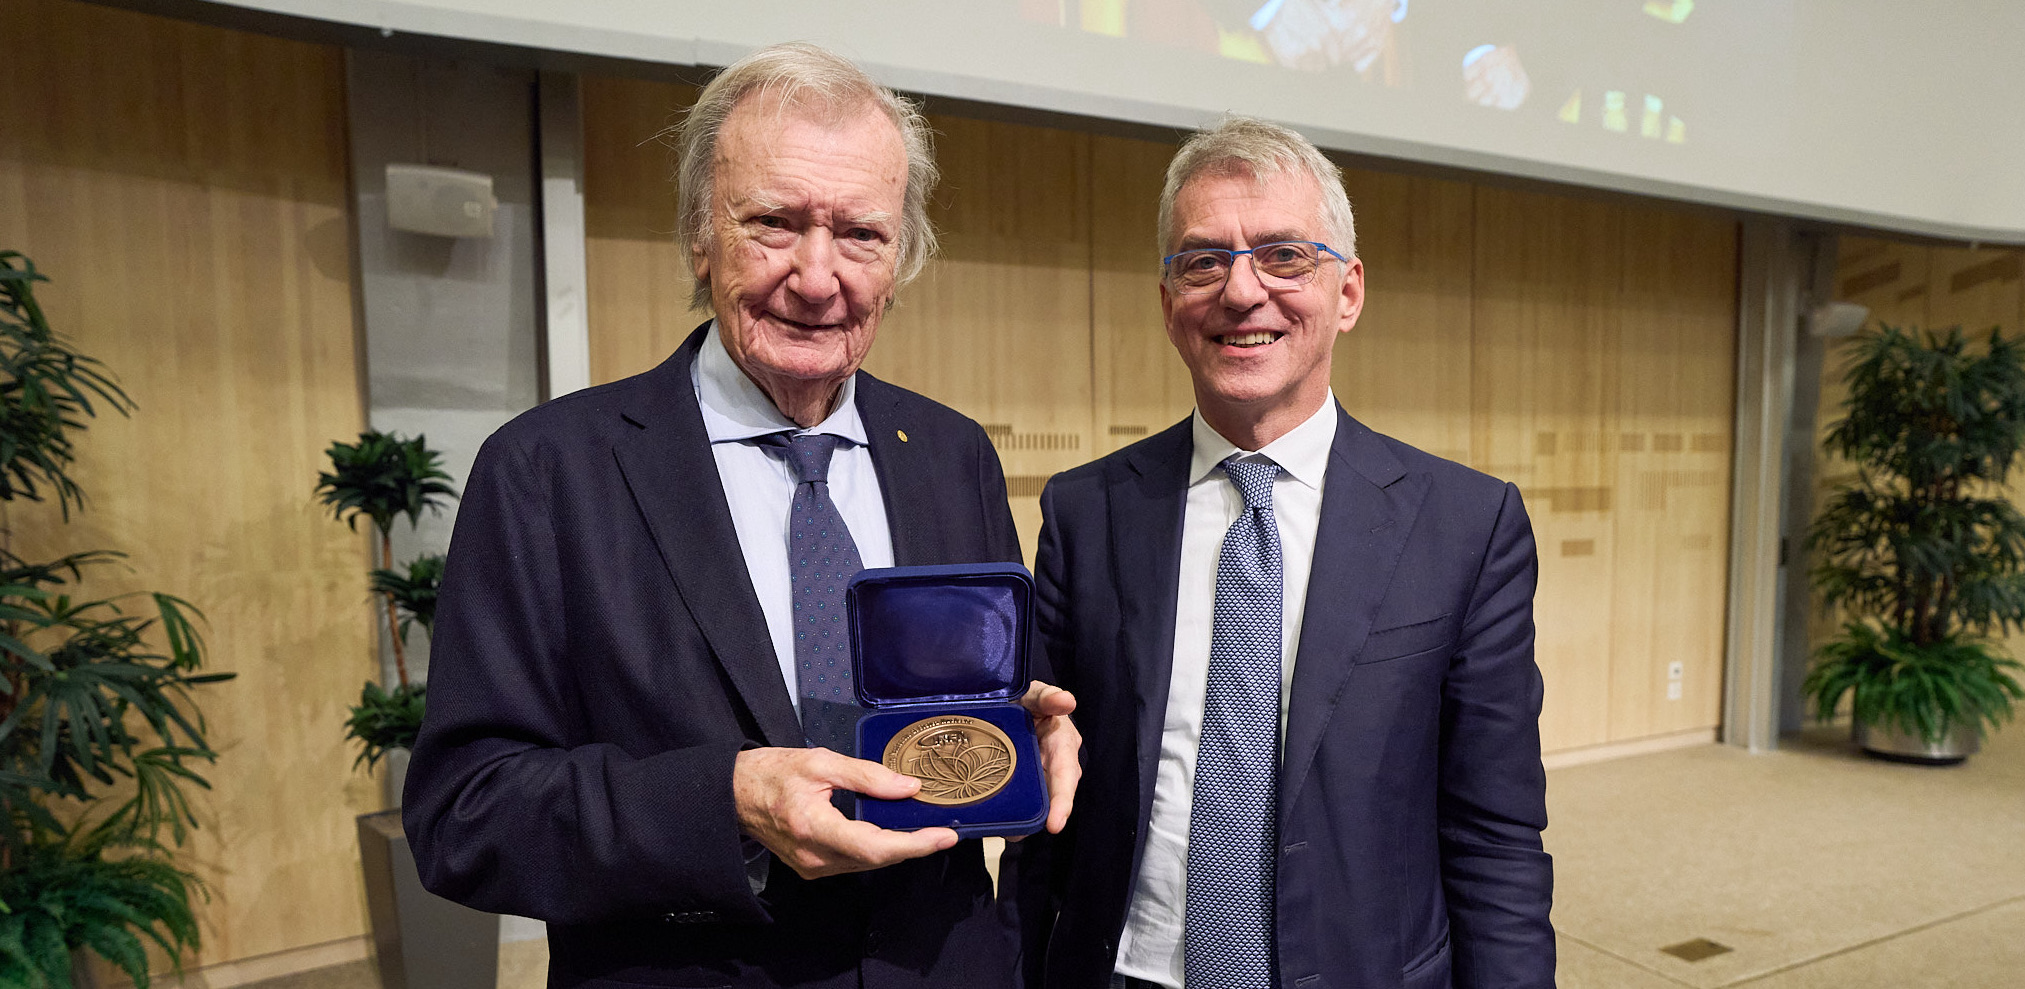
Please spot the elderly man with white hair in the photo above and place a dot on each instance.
(1302, 651)
(637, 692)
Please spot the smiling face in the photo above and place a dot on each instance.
(800, 253)
(1259, 357)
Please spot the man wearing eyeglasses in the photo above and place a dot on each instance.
(1303, 651)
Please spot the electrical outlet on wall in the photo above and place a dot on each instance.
(1673, 691)
(1675, 670)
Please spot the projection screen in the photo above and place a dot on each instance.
(1900, 116)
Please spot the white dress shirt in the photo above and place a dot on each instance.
(759, 486)
(1152, 945)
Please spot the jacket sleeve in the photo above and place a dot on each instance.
(1029, 887)
(513, 804)
(1001, 536)
(1492, 807)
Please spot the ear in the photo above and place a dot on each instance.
(699, 260)
(1352, 303)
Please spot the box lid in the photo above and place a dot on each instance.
(941, 634)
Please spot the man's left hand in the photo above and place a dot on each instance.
(1061, 747)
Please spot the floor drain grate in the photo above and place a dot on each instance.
(1696, 950)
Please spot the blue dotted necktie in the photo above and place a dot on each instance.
(822, 557)
(1228, 917)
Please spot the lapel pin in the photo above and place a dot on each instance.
(902, 434)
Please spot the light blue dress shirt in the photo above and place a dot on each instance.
(759, 486)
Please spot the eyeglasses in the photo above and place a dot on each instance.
(1287, 264)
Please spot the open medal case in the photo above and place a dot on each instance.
(934, 651)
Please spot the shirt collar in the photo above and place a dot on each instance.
(1303, 453)
(734, 408)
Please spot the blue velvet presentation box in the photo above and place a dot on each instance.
(931, 642)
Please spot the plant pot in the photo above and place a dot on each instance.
(397, 775)
(87, 971)
(422, 940)
(1887, 742)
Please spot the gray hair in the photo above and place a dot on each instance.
(799, 75)
(1250, 146)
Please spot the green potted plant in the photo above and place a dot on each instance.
(99, 736)
(381, 478)
(1922, 551)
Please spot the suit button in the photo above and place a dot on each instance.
(872, 942)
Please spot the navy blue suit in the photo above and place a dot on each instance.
(600, 659)
(1411, 792)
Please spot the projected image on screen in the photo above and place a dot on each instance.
(1307, 35)
(1629, 68)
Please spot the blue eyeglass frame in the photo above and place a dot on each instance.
(1234, 255)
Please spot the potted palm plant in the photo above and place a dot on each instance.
(381, 478)
(1922, 551)
(99, 736)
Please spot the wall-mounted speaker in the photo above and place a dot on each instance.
(1832, 320)
(446, 202)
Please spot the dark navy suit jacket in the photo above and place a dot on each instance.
(1411, 792)
(599, 660)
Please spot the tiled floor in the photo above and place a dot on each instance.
(1820, 868)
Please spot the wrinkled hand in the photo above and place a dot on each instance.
(783, 801)
(1061, 747)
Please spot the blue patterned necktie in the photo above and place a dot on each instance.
(1232, 832)
(822, 557)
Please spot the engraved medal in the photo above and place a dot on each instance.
(958, 759)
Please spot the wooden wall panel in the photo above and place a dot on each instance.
(1674, 406)
(638, 284)
(1973, 289)
(1581, 349)
(1141, 386)
(1407, 365)
(1543, 390)
(184, 187)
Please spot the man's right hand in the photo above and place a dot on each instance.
(783, 800)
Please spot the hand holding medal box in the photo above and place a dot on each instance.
(939, 656)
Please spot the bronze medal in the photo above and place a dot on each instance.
(958, 759)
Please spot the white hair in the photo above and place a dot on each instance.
(799, 75)
(1250, 146)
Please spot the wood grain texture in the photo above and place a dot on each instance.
(1545, 347)
(1533, 336)
(1141, 387)
(638, 284)
(184, 187)
(1408, 363)
(1676, 374)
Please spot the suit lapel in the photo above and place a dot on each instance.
(1147, 499)
(904, 477)
(1368, 506)
(673, 477)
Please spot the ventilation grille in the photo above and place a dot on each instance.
(1005, 437)
(1026, 485)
